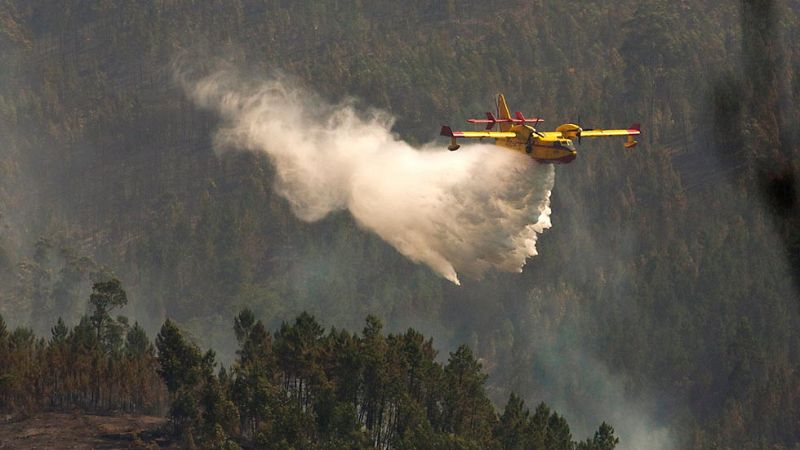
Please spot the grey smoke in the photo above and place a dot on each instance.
(461, 212)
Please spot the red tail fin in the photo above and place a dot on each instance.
(492, 119)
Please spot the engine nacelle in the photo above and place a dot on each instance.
(569, 130)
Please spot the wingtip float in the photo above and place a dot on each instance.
(555, 147)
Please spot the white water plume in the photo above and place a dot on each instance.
(468, 211)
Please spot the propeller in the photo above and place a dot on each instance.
(580, 133)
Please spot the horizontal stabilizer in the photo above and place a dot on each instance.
(516, 121)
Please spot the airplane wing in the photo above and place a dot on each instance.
(634, 130)
(446, 131)
(599, 133)
(572, 131)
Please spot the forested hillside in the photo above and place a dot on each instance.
(661, 301)
(301, 387)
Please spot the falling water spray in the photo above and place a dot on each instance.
(463, 212)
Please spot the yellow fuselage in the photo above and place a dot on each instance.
(543, 148)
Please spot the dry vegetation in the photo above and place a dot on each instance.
(83, 431)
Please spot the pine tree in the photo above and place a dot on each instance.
(467, 412)
(106, 295)
(604, 438)
(179, 361)
(510, 431)
(58, 333)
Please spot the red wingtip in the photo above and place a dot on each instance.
(636, 126)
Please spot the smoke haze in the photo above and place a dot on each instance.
(465, 212)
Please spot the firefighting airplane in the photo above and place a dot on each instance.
(543, 146)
